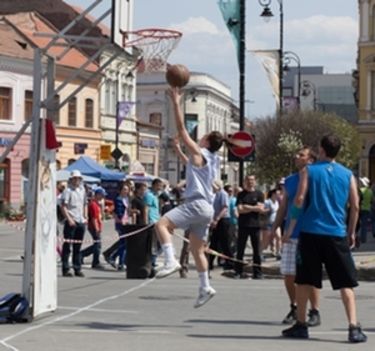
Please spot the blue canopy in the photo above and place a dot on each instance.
(87, 166)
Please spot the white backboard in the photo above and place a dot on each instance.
(122, 18)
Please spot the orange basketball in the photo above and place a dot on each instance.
(177, 75)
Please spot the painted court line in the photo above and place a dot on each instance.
(76, 312)
(103, 310)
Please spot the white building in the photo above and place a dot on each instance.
(207, 106)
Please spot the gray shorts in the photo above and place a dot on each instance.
(194, 216)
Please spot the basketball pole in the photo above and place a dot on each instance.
(242, 80)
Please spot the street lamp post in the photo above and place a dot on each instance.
(242, 79)
(292, 56)
(267, 14)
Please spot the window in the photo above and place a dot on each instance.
(56, 111)
(113, 97)
(89, 113)
(191, 123)
(5, 103)
(155, 118)
(4, 182)
(72, 112)
(28, 104)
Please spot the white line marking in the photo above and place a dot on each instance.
(139, 331)
(78, 311)
(87, 331)
(98, 310)
(153, 331)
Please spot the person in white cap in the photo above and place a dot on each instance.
(74, 208)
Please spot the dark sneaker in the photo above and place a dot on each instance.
(356, 334)
(291, 317)
(67, 274)
(110, 261)
(79, 274)
(257, 276)
(314, 318)
(298, 331)
(98, 266)
(183, 273)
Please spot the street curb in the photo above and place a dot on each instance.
(273, 271)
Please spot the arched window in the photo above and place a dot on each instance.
(4, 182)
(58, 165)
(56, 104)
(6, 103)
(28, 104)
(72, 112)
(89, 113)
(25, 168)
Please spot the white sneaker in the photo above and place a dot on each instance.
(168, 269)
(205, 294)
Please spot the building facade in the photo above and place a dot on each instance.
(366, 87)
(207, 106)
(77, 121)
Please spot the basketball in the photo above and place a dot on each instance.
(177, 75)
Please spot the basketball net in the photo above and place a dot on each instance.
(155, 46)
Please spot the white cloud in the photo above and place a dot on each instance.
(196, 25)
(325, 41)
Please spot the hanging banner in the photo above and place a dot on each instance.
(270, 60)
(230, 10)
(123, 110)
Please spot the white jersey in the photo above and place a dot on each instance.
(199, 179)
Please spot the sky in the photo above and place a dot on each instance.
(321, 32)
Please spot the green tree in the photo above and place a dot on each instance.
(278, 140)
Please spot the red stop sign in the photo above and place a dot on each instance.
(244, 144)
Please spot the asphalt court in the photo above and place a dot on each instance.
(105, 311)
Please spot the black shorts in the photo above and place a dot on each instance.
(314, 250)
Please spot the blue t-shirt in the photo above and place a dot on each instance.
(221, 200)
(327, 198)
(152, 201)
(291, 186)
(232, 210)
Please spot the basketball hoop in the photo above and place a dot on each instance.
(155, 45)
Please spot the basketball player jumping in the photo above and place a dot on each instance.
(195, 214)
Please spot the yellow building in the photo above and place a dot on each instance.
(366, 87)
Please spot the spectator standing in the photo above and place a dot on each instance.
(269, 238)
(152, 201)
(122, 215)
(233, 217)
(74, 208)
(220, 235)
(95, 227)
(365, 208)
(138, 205)
(250, 203)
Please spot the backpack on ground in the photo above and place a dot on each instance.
(14, 308)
